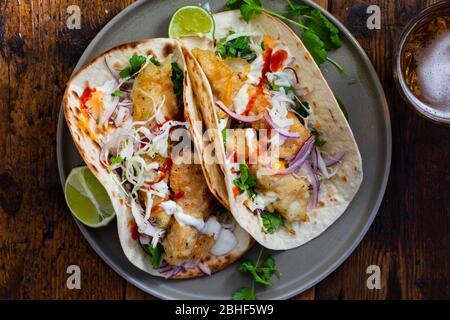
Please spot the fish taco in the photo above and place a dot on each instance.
(300, 166)
(127, 112)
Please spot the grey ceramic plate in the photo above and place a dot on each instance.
(302, 267)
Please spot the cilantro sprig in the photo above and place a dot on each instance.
(238, 47)
(156, 255)
(319, 34)
(317, 134)
(250, 8)
(136, 63)
(114, 160)
(177, 80)
(117, 93)
(287, 89)
(271, 222)
(246, 182)
(260, 273)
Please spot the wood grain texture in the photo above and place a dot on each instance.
(409, 239)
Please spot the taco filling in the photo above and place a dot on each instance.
(260, 96)
(175, 218)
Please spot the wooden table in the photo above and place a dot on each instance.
(409, 239)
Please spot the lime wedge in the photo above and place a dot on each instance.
(191, 21)
(87, 198)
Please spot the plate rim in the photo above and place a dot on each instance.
(342, 257)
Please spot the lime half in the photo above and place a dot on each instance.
(192, 21)
(87, 198)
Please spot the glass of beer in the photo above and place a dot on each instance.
(422, 70)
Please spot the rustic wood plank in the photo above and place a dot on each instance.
(38, 238)
(311, 293)
(402, 241)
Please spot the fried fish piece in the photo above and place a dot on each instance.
(184, 243)
(291, 147)
(152, 85)
(225, 83)
(189, 179)
(292, 195)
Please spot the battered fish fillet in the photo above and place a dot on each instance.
(158, 215)
(293, 195)
(151, 85)
(224, 82)
(188, 178)
(185, 243)
(291, 147)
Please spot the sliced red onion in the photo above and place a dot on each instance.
(300, 158)
(322, 166)
(334, 159)
(165, 268)
(295, 73)
(273, 125)
(173, 272)
(189, 265)
(204, 269)
(314, 158)
(236, 116)
(315, 182)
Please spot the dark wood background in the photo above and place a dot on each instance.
(409, 239)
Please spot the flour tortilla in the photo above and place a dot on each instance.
(335, 194)
(105, 68)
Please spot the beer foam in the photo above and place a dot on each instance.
(433, 70)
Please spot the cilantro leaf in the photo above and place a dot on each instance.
(233, 4)
(260, 273)
(319, 142)
(298, 9)
(319, 34)
(155, 61)
(246, 181)
(317, 22)
(315, 46)
(244, 293)
(136, 63)
(248, 8)
(258, 276)
(224, 135)
(239, 47)
(269, 267)
(156, 255)
(117, 93)
(113, 161)
(249, 267)
(302, 108)
(271, 222)
(125, 73)
(177, 80)
(116, 160)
